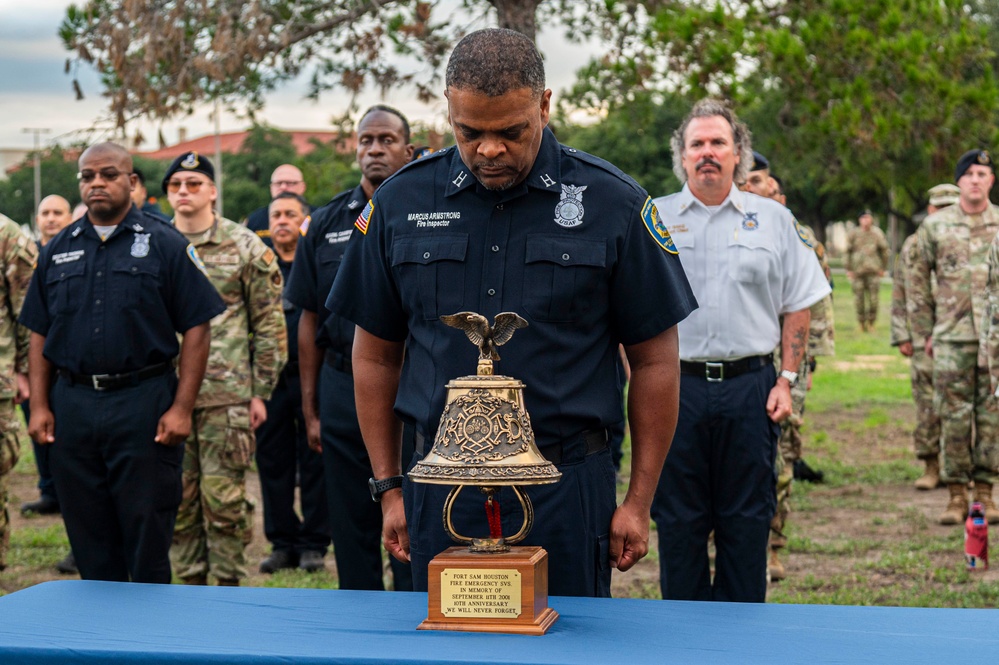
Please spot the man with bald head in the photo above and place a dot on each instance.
(53, 216)
(105, 307)
(286, 178)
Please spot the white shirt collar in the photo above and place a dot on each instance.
(735, 198)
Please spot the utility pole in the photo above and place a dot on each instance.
(218, 156)
(37, 131)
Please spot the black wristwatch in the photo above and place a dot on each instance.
(379, 487)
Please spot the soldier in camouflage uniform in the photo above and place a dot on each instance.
(18, 254)
(820, 342)
(213, 521)
(866, 262)
(926, 433)
(953, 246)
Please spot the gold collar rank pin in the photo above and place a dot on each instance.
(485, 440)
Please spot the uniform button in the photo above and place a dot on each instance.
(62, 274)
(101, 248)
(426, 255)
(97, 330)
(495, 248)
(565, 257)
(99, 273)
(491, 292)
(499, 206)
(97, 302)
(135, 268)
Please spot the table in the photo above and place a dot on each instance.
(101, 622)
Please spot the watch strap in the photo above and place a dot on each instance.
(380, 486)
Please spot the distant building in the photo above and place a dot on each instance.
(231, 142)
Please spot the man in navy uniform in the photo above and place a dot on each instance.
(284, 459)
(749, 263)
(510, 220)
(325, 342)
(105, 305)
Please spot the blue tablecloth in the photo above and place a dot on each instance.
(88, 622)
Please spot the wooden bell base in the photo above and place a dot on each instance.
(470, 591)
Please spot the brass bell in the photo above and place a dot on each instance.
(485, 438)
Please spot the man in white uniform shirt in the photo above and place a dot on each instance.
(748, 265)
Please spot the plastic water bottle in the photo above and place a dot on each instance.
(976, 538)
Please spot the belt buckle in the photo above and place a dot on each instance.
(96, 380)
(708, 366)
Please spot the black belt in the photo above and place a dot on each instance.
(116, 381)
(339, 361)
(594, 441)
(725, 369)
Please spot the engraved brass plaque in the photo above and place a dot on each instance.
(481, 593)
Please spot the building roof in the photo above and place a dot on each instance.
(231, 142)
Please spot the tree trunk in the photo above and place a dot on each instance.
(519, 15)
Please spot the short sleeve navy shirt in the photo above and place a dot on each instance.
(577, 249)
(116, 306)
(317, 260)
(291, 312)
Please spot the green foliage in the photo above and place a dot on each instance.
(856, 103)
(58, 171)
(635, 138)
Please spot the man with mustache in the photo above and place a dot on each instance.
(750, 265)
(953, 249)
(324, 347)
(105, 306)
(510, 220)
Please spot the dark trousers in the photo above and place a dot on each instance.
(119, 489)
(282, 452)
(355, 520)
(719, 476)
(571, 521)
(46, 486)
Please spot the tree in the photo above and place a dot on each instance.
(867, 98)
(160, 58)
(17, 194)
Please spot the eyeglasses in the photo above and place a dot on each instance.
(108, 175)
(285, 183)
(173, 186)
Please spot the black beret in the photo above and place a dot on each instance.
(190, 162)
(759, 162)
(972, 157)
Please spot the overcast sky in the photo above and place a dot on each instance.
(36, 93)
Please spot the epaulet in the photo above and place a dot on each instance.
(601, 164)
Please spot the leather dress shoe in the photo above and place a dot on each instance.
(311, 561)
(44, 506)
(67, 566)
(277, 560)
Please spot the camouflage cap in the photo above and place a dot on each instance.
(191, 162)
(971, 157)
(943, 195)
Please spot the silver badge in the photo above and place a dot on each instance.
(569, 210)
(140, 246)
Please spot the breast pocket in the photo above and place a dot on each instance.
(563, 277)
(133, 282)
(431, 272)
(750, 257)
(65, 285)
